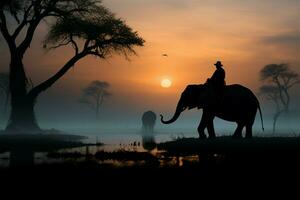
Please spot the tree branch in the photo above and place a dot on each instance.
(87, 43)
(292, 83)
(23, 23)
(74, 45)
(87, 102)
(49, 82)
(101, 100)
(60, 45)
(29, 36)
(95, 53)
(33, 24)
(279, 89)
(5, 32)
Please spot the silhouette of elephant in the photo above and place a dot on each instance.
(148, 119)
(236, 104)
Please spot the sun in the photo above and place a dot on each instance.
(166, 83)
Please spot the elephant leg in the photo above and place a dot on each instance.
(202, 126)
(210, 127)
(249, 126)
(206, 122)
(248, 131)
(238, 130)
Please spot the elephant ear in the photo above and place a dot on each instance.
(192, 95)
(198, 96)
(207, 96)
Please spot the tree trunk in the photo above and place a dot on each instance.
(97, 109)
(275, 118)
(22, 117)
(274, 124)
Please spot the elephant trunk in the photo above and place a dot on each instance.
(177, 113)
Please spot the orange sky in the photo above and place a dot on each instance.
(245, 35)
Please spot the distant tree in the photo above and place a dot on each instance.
(94, 95)
(84, 25)
(4, 88)
(278, 80)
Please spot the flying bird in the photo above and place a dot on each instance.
(165, 55)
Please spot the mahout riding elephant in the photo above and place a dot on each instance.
(236, 104)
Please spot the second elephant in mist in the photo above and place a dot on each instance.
(238, 104)
(148, 120)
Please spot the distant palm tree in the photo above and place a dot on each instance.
(94, 95)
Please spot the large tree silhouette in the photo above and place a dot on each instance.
(94, 94)
(84, 25)
(278, 80)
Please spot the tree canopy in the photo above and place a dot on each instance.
(85, 25)
(103, 33)
(94, 94)
(280, 74)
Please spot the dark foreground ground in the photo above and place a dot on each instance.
(260, 168)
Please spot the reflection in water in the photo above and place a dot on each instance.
(4, 159)
(139, 152)
(117, 158)
(148, 142)
(21, 157)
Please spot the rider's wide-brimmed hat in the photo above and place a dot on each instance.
(218, 64)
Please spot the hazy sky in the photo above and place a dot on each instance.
(244, 34)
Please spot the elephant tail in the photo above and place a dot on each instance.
(261, 118)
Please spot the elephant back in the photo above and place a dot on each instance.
(238, 95)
